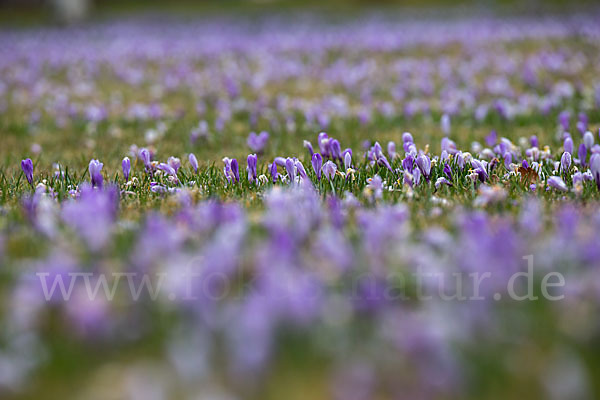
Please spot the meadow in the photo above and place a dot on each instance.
(277, 207)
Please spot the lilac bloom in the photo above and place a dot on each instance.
(565, 161)
(27, 167)
(383, 161)
(329, 169)
(323, 141)
(491, 139)
(193, 161)
(449, 146)
(582, 153)
(533, 141)
(317, 163)
(563, 119)
(375, 184)
(251, 168)
(568, 144)
(408, 164)
(525, 164)
(280, 161)
(290, 167)
(407, 138)
(273, 171)
(95, 168)
(424, 164)
(126, 166)
(460, 160)
(479, 169)
(556, 182)
(258, 142)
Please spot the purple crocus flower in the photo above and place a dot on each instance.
(556, 182)
(565, 161)
(391, 148)
(126, 166)
(323, 141)
(27, 167)
(442, 181)
(258, 142)
(317, 164)
(595, 168)
(308, 145)
(507, 160)
(445, 124)
(447, 171)
(301, 171)
(280, 161)
(382, 160)
(235, 169)
(563, 119)
(533, 141)
(95, 168)
(290, 167)
(329, 169)
(407, 138)
(193, 161)
(167, 169)
(273, 171)
(424, 164)
(336, 150)
(408, 163)
(479, 169)
(491, 139)
(347, 160)
(146, 159)
(175, 163)
(568, 145)
(251, 168)
(588, 139)
(582, 153)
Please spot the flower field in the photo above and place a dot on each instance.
(362, 208)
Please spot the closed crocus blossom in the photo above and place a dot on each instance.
(391, 148)
(317, 164)
(193, 162)
(301, 171)
(95, 170)
(273, 171)
(251, 168)
(347, 161)
(167, 169)
(146, 158)
(290, 167)
(235, 169)
(424, 164)
(336, 150)
(175, 163)
(582, 153)
(595, 168)
(445, 124)
(126, 166)
(329, 169)
(507, 160)
(27, 167)
(568, 145)
(588, 139)
(565, 161)
(447, 171)
(308, 145)
(556, 182)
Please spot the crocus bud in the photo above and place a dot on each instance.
(568, 145)
(174, 162)
(317, 163)
(251, 168)
(273, 171)
(329, 169)
(235, 169)
(424, 164)
(565, 161)
(336, 150)
(193, 161)
(407, 138)
(445, 124)
(595, 168)
(588, 140)
(291, 169)
(145, 157)
(167, 169)
(301, 171)
(447, 171)
(507, 160)
(27, 167)
(582, 153)
(556, 182)
(309, 147)
(391, 148)
(347, 161)
(95, 168)
(126, 165)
